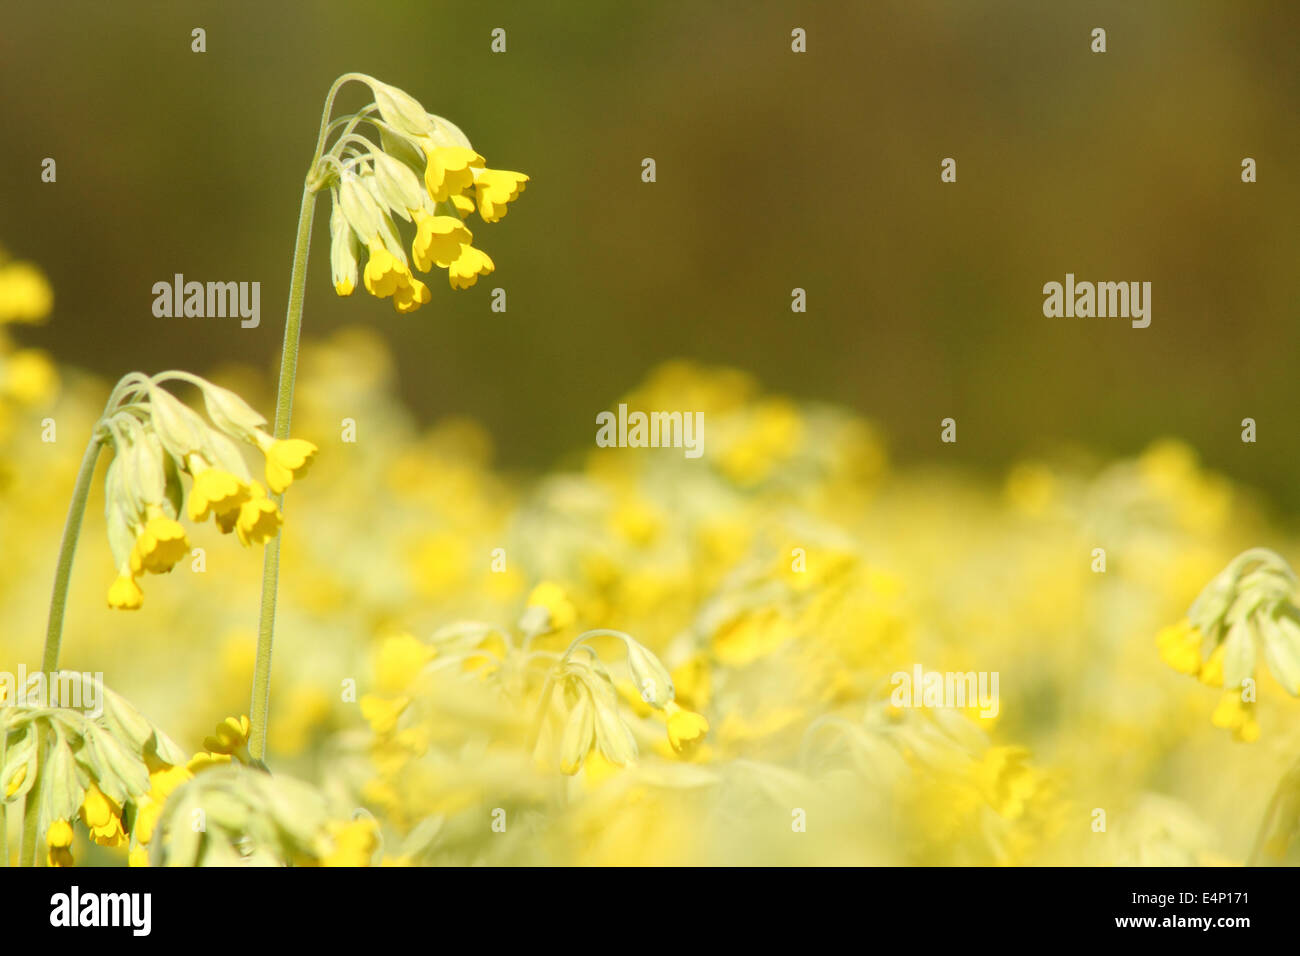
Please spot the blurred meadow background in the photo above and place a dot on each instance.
(775, 170)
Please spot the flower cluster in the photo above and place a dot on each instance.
(156, 439)
(1247, 609)
(112, 771)
(422, 171)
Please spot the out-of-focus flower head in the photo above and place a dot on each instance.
(92, 756)
(27, 376)
(1246, 610)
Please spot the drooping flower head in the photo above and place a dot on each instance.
(155, 440)
(423, 170)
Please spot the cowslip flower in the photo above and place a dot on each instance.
(423, 170)
(58, 838)
(103, 818)
(81, 765)
(686, 729)
(1245, 611)
(155, 439)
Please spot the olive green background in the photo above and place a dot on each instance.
(775, 170)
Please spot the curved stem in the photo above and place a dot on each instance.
(54, 628)
(261, 701)
(67, 550)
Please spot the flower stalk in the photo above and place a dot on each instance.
(261, 702)
(373, 185)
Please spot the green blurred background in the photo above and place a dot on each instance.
(775, 170)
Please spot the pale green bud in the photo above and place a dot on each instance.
(20, 759)
(613, 738)
(343, 251)
(447, 133)
(230, 413)
(62, 789)
(400, 110)
(387, 228)
(117, 508)
(652, 679)
(397, 186)
(359, 207)
(146, 474)
(182, 431)
(579, 730)
(1238, 655)
(119, 773)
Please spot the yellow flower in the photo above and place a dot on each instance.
(1180, 647)
(25, 294)
(162, 781)
(494, 188)
(384, 273)
(259, 518)
(29, 377)
(286, 459)
(215, 492)
(159, 545)
(399, 658)
(449, 170)
(686, 729)
(438, 241)
(411, 296)
(103, 818)
(560, 610)
(1211, 671)
(124, 594)
(355, 843)
(1236, 715)
(231, 736)
(471, 264)
(382, 713)
(1008, 780)
(59, 838)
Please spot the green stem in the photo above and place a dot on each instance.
(54, 628)
(283, 413)
(63, 572)
(261, 702)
